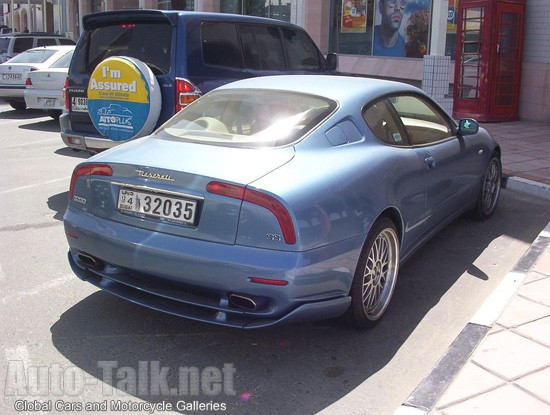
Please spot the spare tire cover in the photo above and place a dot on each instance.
(124, 98)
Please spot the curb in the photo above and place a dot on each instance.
(423, 399)
(528, 187)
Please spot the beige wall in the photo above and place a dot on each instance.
(535, 92)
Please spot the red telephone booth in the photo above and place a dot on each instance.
(488, 59)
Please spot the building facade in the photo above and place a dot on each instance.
(409, 40)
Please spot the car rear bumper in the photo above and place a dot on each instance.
(199, 279)
(44, 99)
(80, 141)
(7, 92)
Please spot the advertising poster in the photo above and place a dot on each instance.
(451, 16)
(401, 28)
(354, 16)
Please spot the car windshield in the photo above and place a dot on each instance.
(64, 61)
(33, 56)
(249, 118)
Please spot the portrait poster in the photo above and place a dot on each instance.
(401, 28)
(354, 16)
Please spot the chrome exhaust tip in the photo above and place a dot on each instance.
(241, 301)
(89, 261)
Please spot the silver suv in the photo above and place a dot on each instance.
(13, 44)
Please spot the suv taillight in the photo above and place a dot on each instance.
(66, 94)
(28, 83)
(186, 93)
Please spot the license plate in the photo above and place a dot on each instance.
(159, 206)
(79, 104)
(11, 76)
(49, 102)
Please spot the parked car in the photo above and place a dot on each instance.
(278, 199)
(179, 56)
(13, 74)
(44, 87)
(14, 43)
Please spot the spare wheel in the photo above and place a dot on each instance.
(124, 98)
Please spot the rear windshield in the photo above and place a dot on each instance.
(249, 118)
(33, 56)
(64, 61)
(149, 42)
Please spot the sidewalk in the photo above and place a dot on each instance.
(500, 363)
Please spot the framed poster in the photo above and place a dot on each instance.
(401, 28)
(354, 16)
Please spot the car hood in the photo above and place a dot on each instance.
(231, 164)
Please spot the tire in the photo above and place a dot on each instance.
(18, 105)
(375, 276)
(490, 190)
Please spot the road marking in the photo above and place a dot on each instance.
(37, 290)
(31, 186)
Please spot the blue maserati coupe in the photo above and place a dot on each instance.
(278, 199)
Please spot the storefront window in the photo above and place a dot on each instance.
(397, 28)
(275, 9)
(176, 5)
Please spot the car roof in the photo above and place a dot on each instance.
(35, 34)
(330, 86)
(54, 47)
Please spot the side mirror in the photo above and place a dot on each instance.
(332, 62)
(468, 126)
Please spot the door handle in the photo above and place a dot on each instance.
(430, 162)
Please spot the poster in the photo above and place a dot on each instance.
(451, 16)
(401, 28)
(354, 16)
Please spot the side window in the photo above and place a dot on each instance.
(302, 52)
(262, 47)
(45, 42)
(381, 121)
(66, 42)
(220, 45)
(21, 44)
(424, 123)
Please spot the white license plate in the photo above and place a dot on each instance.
(11, 76)
(49, 102)
(79, 104)
(160, 206)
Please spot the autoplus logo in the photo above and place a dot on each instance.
(119, 98)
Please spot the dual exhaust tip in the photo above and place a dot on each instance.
(247, 303)
(89, 261)
(241, 301)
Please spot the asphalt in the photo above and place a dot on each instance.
(500, 362)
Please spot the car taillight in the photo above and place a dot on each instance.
(28, 83)
(66, 94)
(88, 170)
(261, 199)
(186, 93)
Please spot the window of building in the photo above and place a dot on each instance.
(275, 9)
(396, 28)
(176, 5)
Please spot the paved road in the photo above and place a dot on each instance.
(68, 335)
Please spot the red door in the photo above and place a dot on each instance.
(506, 70)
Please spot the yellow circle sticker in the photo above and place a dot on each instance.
(117, 79)
(124, 99)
